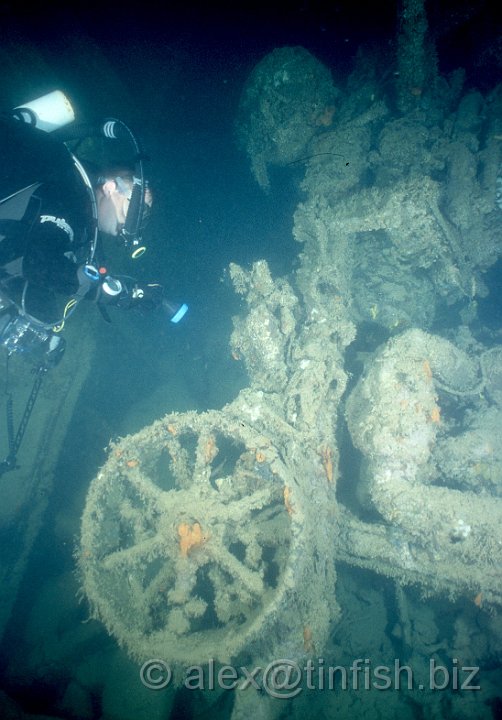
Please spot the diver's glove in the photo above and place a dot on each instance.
(128, 294)
(146, 297)
(150, 297)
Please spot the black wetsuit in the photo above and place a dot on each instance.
(45, 246)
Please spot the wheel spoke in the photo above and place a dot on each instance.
(251, 579)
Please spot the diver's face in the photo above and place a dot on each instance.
(112, 208)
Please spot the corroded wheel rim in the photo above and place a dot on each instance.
(186, 538)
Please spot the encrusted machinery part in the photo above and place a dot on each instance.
(197, 542)
(288, 97)
(387, 550)
(400, 415)
(491, 365)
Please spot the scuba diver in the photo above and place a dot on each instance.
(52, 220)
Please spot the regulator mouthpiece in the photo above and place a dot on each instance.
(49, 112)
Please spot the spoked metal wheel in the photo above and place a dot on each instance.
(187, 539)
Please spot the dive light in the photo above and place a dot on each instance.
(175, 311)
(48, 112)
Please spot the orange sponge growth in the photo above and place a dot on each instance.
(191, 536)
